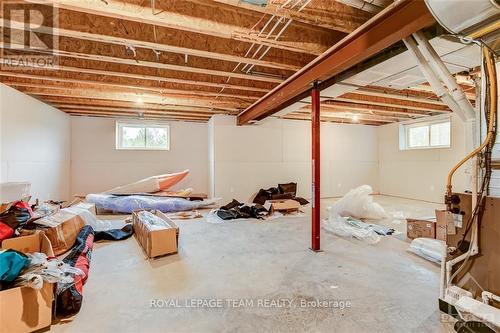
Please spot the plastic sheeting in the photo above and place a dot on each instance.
(127, 204)
(152, 221)
(358, 203)
(428, 248)
(41, 269)
(349, 227)
(345, 213)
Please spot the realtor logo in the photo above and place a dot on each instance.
(29, 35)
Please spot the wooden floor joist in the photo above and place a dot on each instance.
(95, 94)
(399, 20)
(205, 112)
(339, 17)
(392, 102)
(100, 103)
(189, 59)
(133, 75)
(335, 120)
(106, 38)
(171, 19)
(136, 62)
(34, 81)
(142, 117)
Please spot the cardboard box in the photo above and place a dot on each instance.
(62, 228)
(445, 224)
(23, 309)
(282, 206)
(420, 228)
(156, 242)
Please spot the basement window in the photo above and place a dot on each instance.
(435, 133)
(142, 136)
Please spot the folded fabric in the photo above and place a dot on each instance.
(11, 264)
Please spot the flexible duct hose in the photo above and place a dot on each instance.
(490, 67)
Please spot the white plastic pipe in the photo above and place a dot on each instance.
(443, 282)
(487, 296)
(432, 78)
(445, 75)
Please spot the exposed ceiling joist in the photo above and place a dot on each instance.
(99, 103)
(172, 109)
(174, 20)
(132, 92)
(35, 82)
(406, 95)
(139, 112)
(333, 109)
(127, 42)
(391, 102)
(142, 63)
(130, 115)
(128, 97)
(335, 120)
(358, 116)
(396, 22)
(156, 78)
(341, 17)
(357, 106)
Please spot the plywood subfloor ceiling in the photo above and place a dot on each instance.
(190, 59)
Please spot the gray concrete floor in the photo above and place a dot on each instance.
(389, 289)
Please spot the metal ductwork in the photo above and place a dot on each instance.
(464, 16)
(469, 18)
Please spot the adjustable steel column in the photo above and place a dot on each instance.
(315, 124)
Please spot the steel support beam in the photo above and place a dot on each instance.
(397, 21)
(316, 170)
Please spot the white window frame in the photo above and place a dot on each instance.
(140, 124)
(427, 121)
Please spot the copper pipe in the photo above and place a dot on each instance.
(490, 67)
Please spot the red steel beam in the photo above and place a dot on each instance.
(399, 20)
(316, 171)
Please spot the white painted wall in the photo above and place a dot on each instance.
(247, 158)
(34, 145)
(97, 166)
(421, 174)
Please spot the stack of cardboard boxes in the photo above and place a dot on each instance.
(443, 225)
(24, 309)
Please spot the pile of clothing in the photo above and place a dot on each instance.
(14, 216)
(236, 210)
(256, 210)
(282, 191)
(73, 226)
(33, 269)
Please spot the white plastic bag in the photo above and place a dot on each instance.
(358, 203)
(428, 248)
